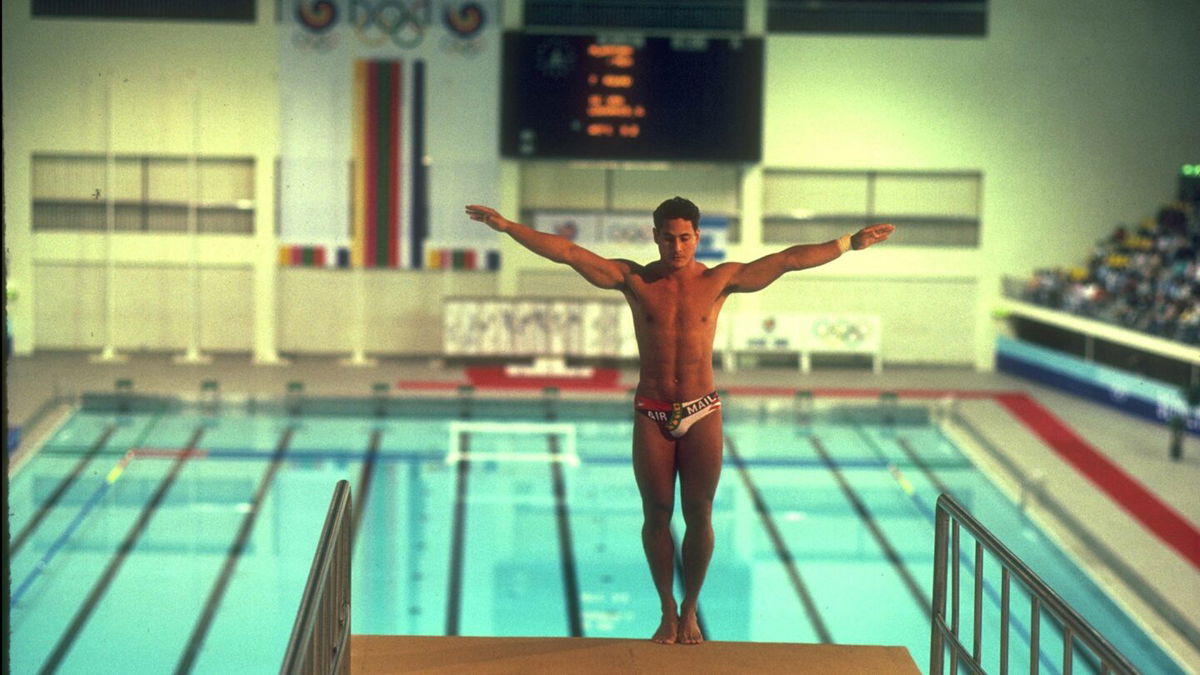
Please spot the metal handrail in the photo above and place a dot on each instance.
(1075, 627)
(321, 635)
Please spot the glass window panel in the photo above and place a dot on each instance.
(806, 194)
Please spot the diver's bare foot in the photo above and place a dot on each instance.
(665, 635)
(688, 632)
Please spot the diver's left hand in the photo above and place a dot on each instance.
(871, 234)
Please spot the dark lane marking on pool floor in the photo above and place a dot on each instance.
(19, 540)
(196, 640)
(457, 534)
(364, 483)
(566, 548)
(67, 639)
(781, 549)
(864, 514)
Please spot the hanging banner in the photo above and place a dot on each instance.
(388, 125)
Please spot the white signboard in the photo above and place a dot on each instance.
(537, 327)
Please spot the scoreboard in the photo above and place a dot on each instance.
(632, 97)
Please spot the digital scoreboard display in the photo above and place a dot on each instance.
(687, 98)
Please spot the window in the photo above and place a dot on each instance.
(632, 189)
(148, 194)
(928, 208)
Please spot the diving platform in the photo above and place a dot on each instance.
(378, 654)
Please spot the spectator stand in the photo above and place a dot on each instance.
(1123, 328)
(1145, 279)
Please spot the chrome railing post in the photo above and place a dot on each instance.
(977, 647)
(955, 602)
(950, 516)
(321, 633)
(936, 644)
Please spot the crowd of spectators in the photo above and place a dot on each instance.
(1145, 278)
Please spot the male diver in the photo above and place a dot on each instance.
(677, 422)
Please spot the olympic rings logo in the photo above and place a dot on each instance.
(404, 22)
(841, 330)
(318, 16)
(463, 20)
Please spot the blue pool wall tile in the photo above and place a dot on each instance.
(1138, 395)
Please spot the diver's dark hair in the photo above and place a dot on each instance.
(677, 207)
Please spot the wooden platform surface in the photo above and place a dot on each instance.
(372, 654)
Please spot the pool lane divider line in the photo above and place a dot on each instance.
(213, 603)
(91, 503)
(67, 639)
(566, 547)
(457, 532)
(881, 539)
(61, 489)
(781, 549)
(1154, 514)
(65, 536)
(364, 483)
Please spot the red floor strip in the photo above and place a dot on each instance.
(1154, 514)
(427, 385)
(602, 379)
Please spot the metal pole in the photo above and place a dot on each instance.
(109, 353)
(358, 356)
(941, 526)
(193, 355)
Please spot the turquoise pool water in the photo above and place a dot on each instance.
(176, 540)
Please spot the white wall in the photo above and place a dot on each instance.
(1078, 115)
(176, 88)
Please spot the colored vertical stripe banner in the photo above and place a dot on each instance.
(292, 255)
(461, 259)
(389, 127)
(377, 114)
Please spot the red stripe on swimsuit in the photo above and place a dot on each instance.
(676, 418)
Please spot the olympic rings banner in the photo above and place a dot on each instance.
(784, 332)
(388, 124)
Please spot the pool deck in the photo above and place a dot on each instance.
(378, 654)
(1134, 447)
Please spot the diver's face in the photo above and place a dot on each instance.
(676, 240)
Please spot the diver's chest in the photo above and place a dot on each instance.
(677, 303)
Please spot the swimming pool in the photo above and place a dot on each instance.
(167, 537)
